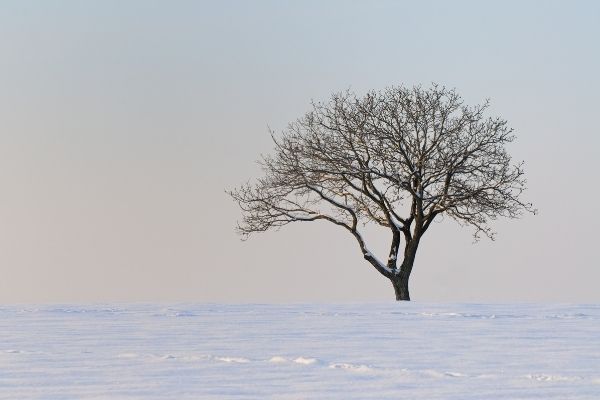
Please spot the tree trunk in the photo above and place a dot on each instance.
(400, 284)
(400, 281)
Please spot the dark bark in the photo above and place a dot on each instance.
(400, 281)
(400, 284)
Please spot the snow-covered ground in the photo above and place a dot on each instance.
(317, 351)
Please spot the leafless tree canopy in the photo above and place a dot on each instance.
(397, 158)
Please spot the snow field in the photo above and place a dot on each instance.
(300, 351)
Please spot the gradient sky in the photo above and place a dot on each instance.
(123, 122)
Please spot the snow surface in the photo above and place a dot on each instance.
(317, 351)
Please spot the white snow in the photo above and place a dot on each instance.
(232, 359)
(301, 351)
(278, 359)
(367, 253)
(399, 225)
(305, 361)
(352, 367)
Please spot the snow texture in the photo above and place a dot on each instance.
(349, 351)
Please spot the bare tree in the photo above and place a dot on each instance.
(397, 158)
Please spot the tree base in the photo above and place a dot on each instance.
(401, 289)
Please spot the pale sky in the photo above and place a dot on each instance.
(122, 123)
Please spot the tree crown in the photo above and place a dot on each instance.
(397, 158)
(388, 157)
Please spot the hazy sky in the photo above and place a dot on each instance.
(123, 122)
